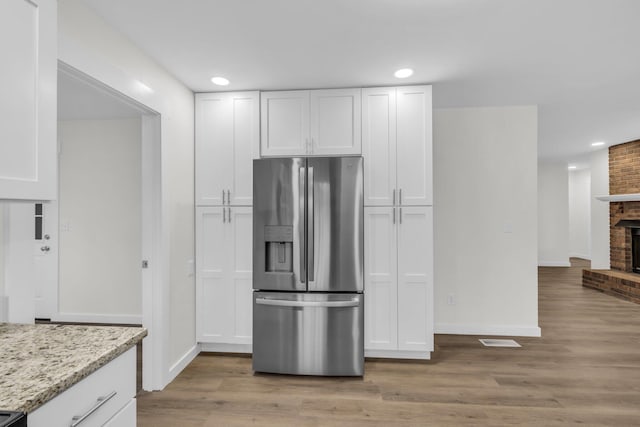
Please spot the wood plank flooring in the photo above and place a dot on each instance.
(584, 370)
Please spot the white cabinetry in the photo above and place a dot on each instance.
(399, 281)
(397, 148)
(28, 147)
(227, 140)
(106, 395)
(224, 275)
(317, 122)
(397, 145)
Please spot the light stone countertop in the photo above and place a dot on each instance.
(38, 362)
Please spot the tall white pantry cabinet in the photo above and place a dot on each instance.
(397, 151)
(227, 141)
(393, 128)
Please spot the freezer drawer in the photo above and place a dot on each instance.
(308, 334)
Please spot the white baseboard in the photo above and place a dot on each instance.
(131, 319)
(226, 348)
(182, 363)
(397, 354)
(554, 264)
(501, 330)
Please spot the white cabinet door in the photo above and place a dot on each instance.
(379, 146)
(212, 308)
(284, 125)
(239, 243)
(414, 145)
(227, 140)
(28, 148)
(224, 274)
(335, 122)
(380, 264)
(415, 278)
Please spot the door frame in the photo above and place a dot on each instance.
(154, 277)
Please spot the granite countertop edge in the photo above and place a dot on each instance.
(77, 376)
(28, 402)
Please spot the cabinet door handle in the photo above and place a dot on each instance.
(224, 215)
(394, 215)
(229, 215)
(223, 197)
(400, 215)
(400, 198)
(228, 197)
(78, 419)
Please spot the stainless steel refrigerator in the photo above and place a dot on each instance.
(308, 263)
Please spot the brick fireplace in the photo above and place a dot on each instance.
(624, 220)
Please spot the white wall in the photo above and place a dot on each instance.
(485, 220)
(600, 210)
(89, 44)
(553, 214)
(580, 213)
(100, 215)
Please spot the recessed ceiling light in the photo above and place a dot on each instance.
(403, 73)
(597, 144)
(220, 81)
(572, 167)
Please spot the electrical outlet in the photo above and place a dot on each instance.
(451, 299)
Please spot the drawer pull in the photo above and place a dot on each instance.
(78, 419)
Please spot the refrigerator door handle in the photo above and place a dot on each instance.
(310, 226)
(303, 225)
(294, 303)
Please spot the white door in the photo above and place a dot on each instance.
(379, 146)
(335, 122)
(380, 264)
(414, 145)
(415, 278)
(45, 254)
(284, 123)
(28, 42)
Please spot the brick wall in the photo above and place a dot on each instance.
(624, 178)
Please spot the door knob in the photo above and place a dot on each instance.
(45, 249)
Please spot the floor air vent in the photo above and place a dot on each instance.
(499, 343)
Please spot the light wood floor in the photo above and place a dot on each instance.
(585, 369)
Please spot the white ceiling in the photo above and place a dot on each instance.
(578, 60)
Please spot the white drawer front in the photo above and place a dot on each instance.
(117, 376)
(126, 417)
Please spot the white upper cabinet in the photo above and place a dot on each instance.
(311, 123)
(397, 146)
(379, 145)
(414, 145)
(284, 123)
(28, 140)
(227, 140)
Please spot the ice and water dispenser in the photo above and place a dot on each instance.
(278, 248)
